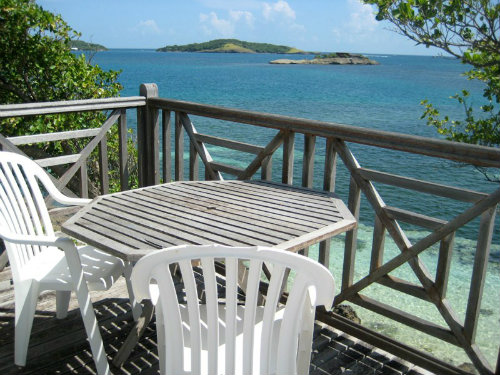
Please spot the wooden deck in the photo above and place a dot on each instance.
(60, 346)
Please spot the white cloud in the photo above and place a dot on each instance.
(278, 10)
(148, 27)
(211, 23)
(248, 17)
(362, 18)
(281, 13)
(360, 25)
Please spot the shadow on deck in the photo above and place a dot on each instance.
(60, 346)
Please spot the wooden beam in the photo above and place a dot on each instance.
(308, 160)
(179, 148)
(84, 154)
(414, 218)
(221, 167)
(123, 150)
(351, 237)
(481, 259)
(44, 108)
(288, 156)
(58, 160)
(194, 163)
(268, 151)
(52, 137)
(166, 146)
(401, 316)
(200, 147)
(422, 186)
(443, 266)
(228, 143)
(103, 165)
(461, 152)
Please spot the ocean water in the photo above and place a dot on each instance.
(386, 97)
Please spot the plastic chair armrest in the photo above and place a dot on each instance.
(69, 201)
(30, 239)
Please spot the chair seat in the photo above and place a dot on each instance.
(222, 342)
(51, 269)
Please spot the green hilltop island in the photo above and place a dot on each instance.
(231, 46)
(239, 46)
(336, 58)
(80, 45)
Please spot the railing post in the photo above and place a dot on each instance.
(328, 185)
(267, 168)
(179, 148)
(308, 160)
(167, 147)
(194, 163)
(103, 165)
(123, 157)
(288, 150)
(351, 236)
(148, 138)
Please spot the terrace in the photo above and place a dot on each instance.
(328, 157)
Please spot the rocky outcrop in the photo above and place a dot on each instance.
(347, 60)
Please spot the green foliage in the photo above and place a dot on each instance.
(36, 65)
(219, 44)
(470, 31)
(326, 56)
(334, 55)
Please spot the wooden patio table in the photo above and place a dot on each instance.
(133, 223)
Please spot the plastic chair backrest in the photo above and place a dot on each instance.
(312, 285)
(22, 207)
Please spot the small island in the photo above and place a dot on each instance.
(338, 58)
(231, 46)
(80, 45)
(239, 46)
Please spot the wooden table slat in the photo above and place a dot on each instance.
(300, 215)
(212, 211)
(133, 223)
(264, 199)
(159, 227)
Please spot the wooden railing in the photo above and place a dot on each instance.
(431, 286)
(97, 137)
(163, 122)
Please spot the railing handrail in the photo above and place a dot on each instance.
(67, 106)
(461, 152)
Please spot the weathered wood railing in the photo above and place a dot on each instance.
(431, 287)
(154, 138)
(97, 138)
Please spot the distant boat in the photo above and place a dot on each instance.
(74, 49)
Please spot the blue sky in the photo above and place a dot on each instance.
(312, 25)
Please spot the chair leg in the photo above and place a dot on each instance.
(26, 297)
(86, 308)
(136, 306)
(160, 336)
(92, 329)
(62, 303)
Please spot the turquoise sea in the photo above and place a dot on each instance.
(387, 97)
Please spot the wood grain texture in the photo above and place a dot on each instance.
(130, 224)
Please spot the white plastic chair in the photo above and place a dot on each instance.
(36, 259)
(233, 338)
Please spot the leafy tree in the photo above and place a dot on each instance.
(470, 31)
(37, 65)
